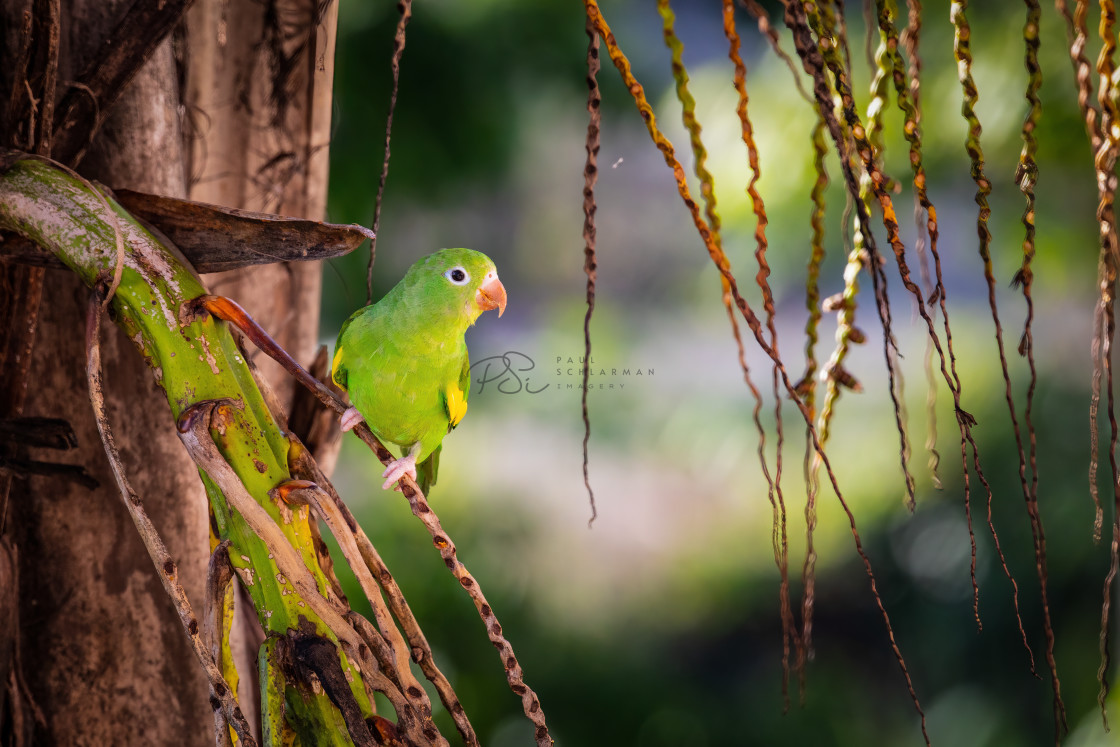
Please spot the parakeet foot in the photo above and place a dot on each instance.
(398, 468)
(350, 418)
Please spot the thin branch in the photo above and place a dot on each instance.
(405, 7)
(219, 573)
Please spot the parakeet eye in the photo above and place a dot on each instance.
(457, 276)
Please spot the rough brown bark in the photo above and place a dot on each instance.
(257, 89)
(105, 657)
(258, 86)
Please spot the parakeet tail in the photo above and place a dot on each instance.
(426, 470)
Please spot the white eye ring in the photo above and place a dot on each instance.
(457, 276)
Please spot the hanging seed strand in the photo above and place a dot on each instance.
(911, 42)
(835, 376)
(887, 11)
(880, 85)
(405, 8)
(808, 389)
(824, 26)
(645, 110)
(590, 261)
(1105, 164)
(1027, 176)
(1077, 36)
(813, 57)
(962, 47)
(780, 531)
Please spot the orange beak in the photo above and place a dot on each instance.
(492, 295)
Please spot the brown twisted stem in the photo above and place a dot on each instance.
(911, 42)
(1109, 264)
(405, 8)
(887, 10)
(590, 262)
(962, 49)
(779, 540)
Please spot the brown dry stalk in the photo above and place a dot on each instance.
(646, 111)
(1105, 164)
(229, 311)
(911, 41)
(880, 88)
(767, 29)
(808, 389)
(1027, 175)
(42, 136)
(405, 8)
(590, 263)
(221, 694)
(1077, 34)
(780, 538)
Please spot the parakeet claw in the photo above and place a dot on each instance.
(398, 468)
(350, 418)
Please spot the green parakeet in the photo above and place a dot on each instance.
(404, 359)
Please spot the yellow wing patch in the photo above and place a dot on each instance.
(456, 404)
(334, 363)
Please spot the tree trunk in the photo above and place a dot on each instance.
(103, 653)
(111, 663)
(258, 140)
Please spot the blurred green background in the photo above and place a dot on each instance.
(660, 625)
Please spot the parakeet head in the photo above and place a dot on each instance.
(460, 283)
